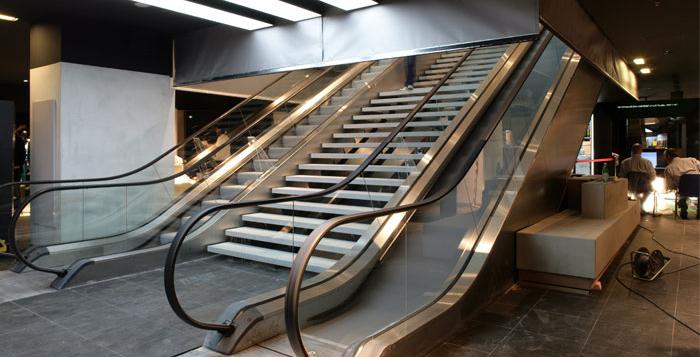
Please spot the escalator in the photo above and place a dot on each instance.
(98, 228)
(381, 151)
(393, 276)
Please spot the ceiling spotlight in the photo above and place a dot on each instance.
(348, 5)
(645, 70)
(277, 8)
(8, 18)
(26, 81)
(207, 13)
(638, 61)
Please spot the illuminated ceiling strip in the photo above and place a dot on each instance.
(277, 8)
(207, 13)
(348, 5)
(8, 18)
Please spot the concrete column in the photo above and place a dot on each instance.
(93, 115)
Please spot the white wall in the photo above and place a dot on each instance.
(108, 121)
(112, 120)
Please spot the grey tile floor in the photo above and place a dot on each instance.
(613, 322)
(129, 316)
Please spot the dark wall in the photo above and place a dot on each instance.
(7, 123)
(44, 45)
(110, 46)
(615, 133)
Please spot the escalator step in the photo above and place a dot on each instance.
(370, 168)
(269, 256)
(289, 239)
(302, 222)
(342, 194)
(369, 181)
(319, 207)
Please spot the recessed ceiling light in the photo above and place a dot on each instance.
(638, 60)
(277, 8)
(348, 5)
(8, 18)
(207, 13)
(645, 70)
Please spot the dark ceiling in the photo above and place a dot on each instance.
(664, 32)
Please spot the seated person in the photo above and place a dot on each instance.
(639, 172)
(675, 168)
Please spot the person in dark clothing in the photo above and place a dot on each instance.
(410, 72)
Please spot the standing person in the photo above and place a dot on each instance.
(221, 139)
(640, 183)
(410, 72)
(675, 168)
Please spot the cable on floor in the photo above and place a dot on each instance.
(653, 238)
(617, 277)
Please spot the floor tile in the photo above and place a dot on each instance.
(450, 350)
(650, 338)
(570, 304)
(685, 341)
(480, 336)
(504, 315)
(543, 322)
(524, 343)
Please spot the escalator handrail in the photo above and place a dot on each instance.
(242, 130)
(160, 156)
(303, 256)
(176, 244)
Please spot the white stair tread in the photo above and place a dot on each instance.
(343, 194)
(370, 168)
(289, 239)
(350, 156)
(369, 181)
(413, 124)
(383, 134)
(441, 113)
(319, 207)
(420, 144)
(466, 64)
(269, 256)
(408, 107)
(452, 88)
(210, 203)
(302, 222)
(474, 74)
(418, 98)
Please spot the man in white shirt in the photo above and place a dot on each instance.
(639, 184)
(221, 139)
(675, 168)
